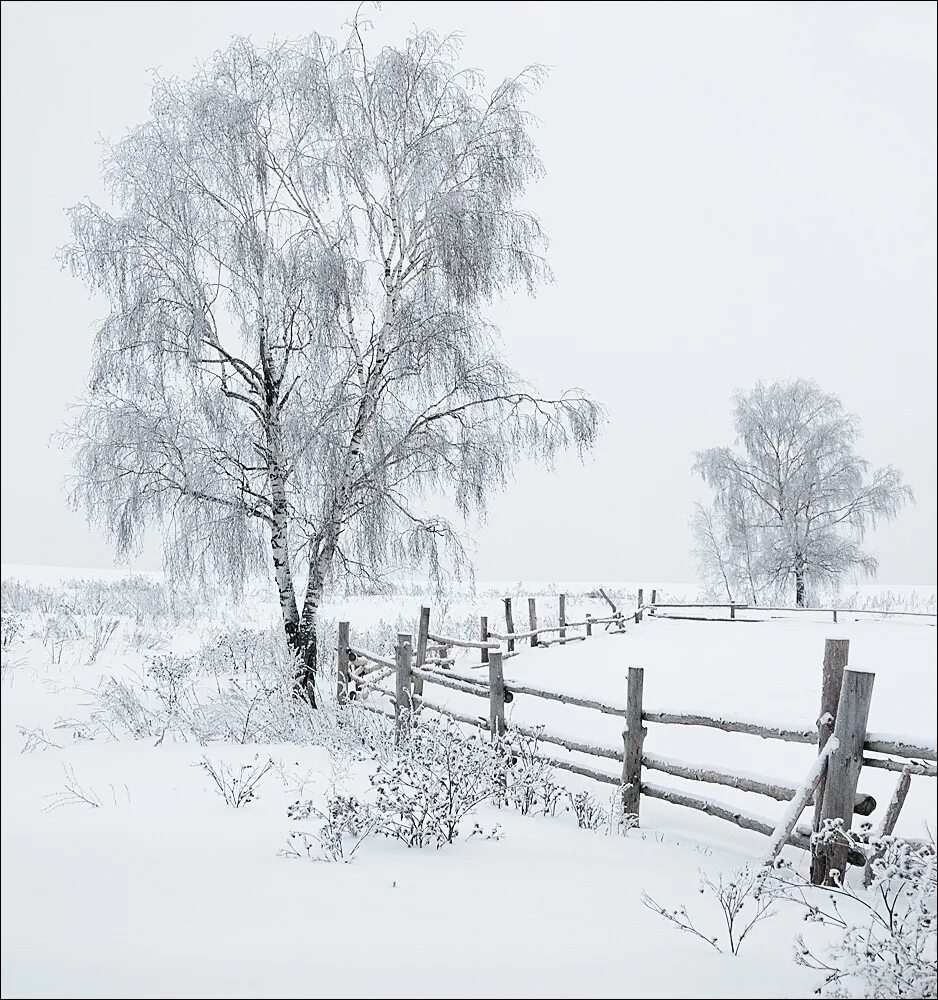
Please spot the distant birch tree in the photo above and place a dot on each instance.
(299, 248)
(793, 502)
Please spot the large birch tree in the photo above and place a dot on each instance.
(297, 253)
(794, 501)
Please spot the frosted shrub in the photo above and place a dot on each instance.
(176, 699)
(530, 784)
(59, 628)
(98, 630)
(11, 628)
(740, 900)
(886, 934)
(439, 776)
(237, 786)
(119, 709)
(239, 651)
(343, 826)
(590, 814)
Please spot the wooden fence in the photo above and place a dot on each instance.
(357, 665)
(734, 606)
(844, 744)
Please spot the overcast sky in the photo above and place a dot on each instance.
(734, 192)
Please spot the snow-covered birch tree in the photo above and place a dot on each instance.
(793, 502)
(297, 253)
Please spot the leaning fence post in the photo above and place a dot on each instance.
(341, 687)
(532, 619)
(888, 823)
(633, 738)
(420, 653)
(562, 615)
(484, 636)
(402, 701)
(496, 695)
(843, 772)
(509, 624)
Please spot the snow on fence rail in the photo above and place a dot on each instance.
(831, 783)
(356, 664)
(735, 606)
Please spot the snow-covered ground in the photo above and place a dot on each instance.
(163, 890)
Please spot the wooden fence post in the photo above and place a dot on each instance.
(732, 609)
(402, 701)
(509, 624)
(835, 617)
(562, 615)
(532, 619)
(843, 772)
(484, 636)
(496, 695)
(654, 597)
(589, 623)
(420, 653)
(836, 653)
(633, 739)
(341, 688)
(641, 599)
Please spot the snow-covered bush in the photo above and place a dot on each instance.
(59, 628)
(886, 933)
(97, 631)
(590, 814)
(237, 786)
(175, 699)
(120, 709)
(439, 775)
(740, 890)
(344, 825)
(529, 778)
(240, 651)
(11, 628)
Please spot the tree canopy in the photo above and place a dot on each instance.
(297, 254)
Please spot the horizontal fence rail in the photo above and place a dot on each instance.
(733, 607)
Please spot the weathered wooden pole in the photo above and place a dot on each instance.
(420, 653)
(496, 695)
(836, 652)
(654, 597)
(641, 599)
(732, 610)
(589, 624)
(342, 662)
(843, 772)
(562, 615)
(633, 739)
(484, 636)
(402, 702)
(835, 617)
(532, 619)
(888, 824)
(509, 624)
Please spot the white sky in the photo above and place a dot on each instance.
(733, 192)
